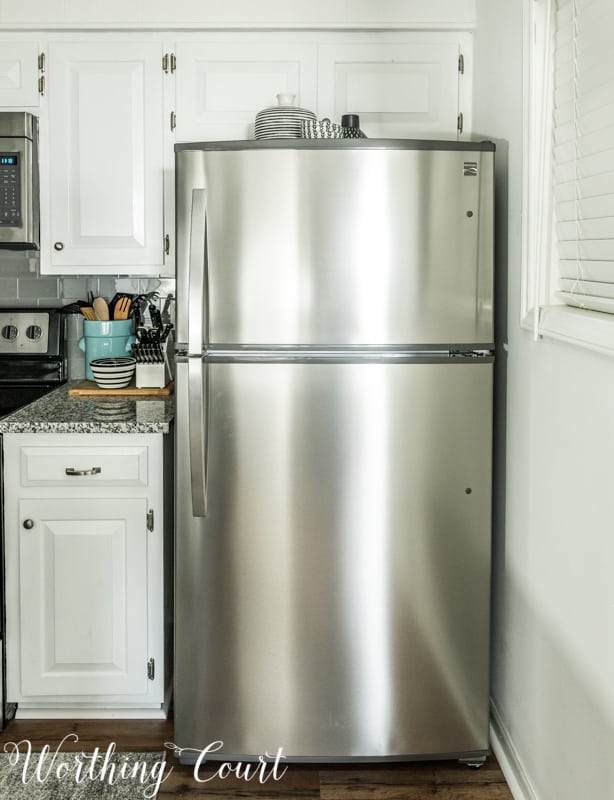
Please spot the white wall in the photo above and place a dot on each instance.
(190, 13)
(553, 627)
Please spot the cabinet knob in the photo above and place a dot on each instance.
(28, 524)
(58, 246)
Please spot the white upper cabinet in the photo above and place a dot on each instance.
(113, 108)
(222, 84)
(399, 89)
(401, 85)
(19, 73)
(105, 158)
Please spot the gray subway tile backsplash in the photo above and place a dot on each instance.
(22, 285)
(8, 288)
(33, 289)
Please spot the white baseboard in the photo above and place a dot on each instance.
(502, 746)
(87, 712)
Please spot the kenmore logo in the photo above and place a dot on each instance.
(470, 168)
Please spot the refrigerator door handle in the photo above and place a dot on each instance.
(198, 409)
(197, 266)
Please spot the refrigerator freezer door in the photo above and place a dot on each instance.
(347, 247)
(335, 599)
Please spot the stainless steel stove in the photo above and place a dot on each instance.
(32, 363)
(32, 357)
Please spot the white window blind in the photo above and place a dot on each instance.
(583, 150)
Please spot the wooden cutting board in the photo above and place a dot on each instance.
(89, 388)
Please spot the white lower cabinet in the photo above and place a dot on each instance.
(85, 586)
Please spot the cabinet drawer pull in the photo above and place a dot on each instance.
(28, 524)
(91, 471)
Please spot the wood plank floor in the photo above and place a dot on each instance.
(442, 780)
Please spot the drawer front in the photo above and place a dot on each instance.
(83, 466)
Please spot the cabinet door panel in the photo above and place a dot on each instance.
(222, 85)
(106, 156)
(19, 74)
(82, 619)
(399, 90)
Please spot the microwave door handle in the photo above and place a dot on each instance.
(198, 432)
(198, 396)
(197, 272)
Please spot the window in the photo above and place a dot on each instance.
(569, 171)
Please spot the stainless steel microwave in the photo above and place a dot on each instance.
(19, 194)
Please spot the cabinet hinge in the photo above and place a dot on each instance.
(459, 122)
(151, 669)
(173, 120)
(41, 69)
(150, 520)
(461, 64)
(167, 244)
(169, 61)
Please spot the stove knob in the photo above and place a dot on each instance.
(34, 332)
(9, 332)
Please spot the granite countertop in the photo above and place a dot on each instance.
(58, 412)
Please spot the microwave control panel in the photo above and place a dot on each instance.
(10, 211)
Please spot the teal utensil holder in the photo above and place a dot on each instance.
(105, 339)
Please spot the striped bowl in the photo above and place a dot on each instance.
(113, 373)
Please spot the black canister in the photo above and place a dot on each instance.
(350, 126)
(350, 121)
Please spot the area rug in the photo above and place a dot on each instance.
(101, 775)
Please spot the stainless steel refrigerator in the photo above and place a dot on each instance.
(333, 448)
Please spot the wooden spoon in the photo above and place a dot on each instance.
(122, 308)
(101, 309)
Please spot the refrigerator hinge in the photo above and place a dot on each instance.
(461, 64)
(150, 520)
(459, 122)
(151, 669)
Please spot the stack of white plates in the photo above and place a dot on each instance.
(282, 121)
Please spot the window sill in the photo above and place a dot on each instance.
(593, 330)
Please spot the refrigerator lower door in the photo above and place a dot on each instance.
(334, 601)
